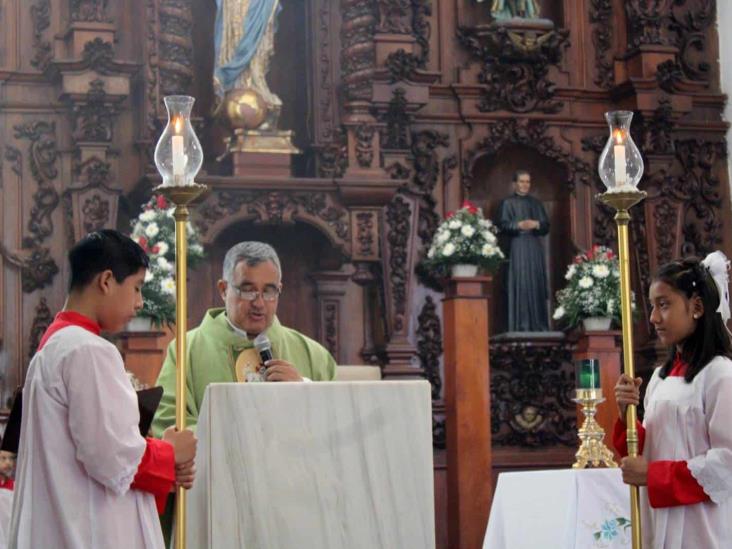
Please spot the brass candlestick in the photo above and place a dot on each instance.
(622, 202)
(592, 450)
(621, 167)
(181, 196)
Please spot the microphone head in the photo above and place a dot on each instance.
(263, 347)
(262, 343)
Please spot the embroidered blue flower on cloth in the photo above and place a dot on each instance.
(609, 529)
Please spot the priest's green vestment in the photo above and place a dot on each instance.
(212, 351)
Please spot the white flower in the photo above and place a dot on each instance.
(431, 253)
(448, 250)
(443, 236)
(189, 228)
(489, 237)
(152, 230)
(586, 282)
(488, 250)
(558, 313)
(467, 230)
(168, 286)
(162, 248)
(610, 306)
(147, 216)
(164, 264)
(616, 273)
(196, 249)
(600, 271)
(137, 229)
(455, 224)
(571, 270)
(486, 223)
(148, 275)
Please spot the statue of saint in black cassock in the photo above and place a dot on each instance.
(522, 218)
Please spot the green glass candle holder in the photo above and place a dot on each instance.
(587, 373)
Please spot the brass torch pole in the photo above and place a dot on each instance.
(181, 196)
(622, 202)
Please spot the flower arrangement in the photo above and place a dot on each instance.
(593, 288)
(154, 231)
(466, 237)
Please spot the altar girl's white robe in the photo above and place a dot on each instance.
(692, 422)
(80, 448)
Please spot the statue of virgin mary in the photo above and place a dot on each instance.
(244, 44)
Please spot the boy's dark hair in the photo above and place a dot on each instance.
(690, 277)
(105, 250)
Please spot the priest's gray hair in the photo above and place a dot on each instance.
(253, 253)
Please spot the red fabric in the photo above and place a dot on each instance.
(670, 483)
(7, 483)
(65, 319)
(156, 472)
(620, 437)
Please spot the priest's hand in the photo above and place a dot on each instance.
(185, 473)
(281, 370)
(528, 224)
(184, 444)
(627, 391)
(635, 470)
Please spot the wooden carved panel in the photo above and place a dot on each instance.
(365, 234)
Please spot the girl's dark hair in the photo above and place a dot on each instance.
(690, 277)
(105, 250)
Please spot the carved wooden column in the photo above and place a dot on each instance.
(604, 347)
(399, 255)
(330, 290)
(467, 401)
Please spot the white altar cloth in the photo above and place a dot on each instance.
(560, 509)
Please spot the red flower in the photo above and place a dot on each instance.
(468, 205)
(610, 254)
(449, 215)
(155, 249)
(161, 202)
(142, 241)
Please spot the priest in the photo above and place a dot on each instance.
(250, 288)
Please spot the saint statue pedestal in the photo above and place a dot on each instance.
(262, 153)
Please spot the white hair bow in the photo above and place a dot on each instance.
(718, 266)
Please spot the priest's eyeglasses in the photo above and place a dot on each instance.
(269, 294)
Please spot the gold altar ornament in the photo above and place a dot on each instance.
(245, 109)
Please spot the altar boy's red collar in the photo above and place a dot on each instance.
(65, 319)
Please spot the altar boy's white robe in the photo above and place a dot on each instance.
(80, 447)
(692, 422)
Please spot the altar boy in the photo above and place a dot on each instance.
(86, 477)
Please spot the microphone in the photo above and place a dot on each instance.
(264, 347)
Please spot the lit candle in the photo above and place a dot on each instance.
(179, 157)
(588, 374)
(619, 150)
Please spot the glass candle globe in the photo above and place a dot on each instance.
(178, 154)
(620, 166)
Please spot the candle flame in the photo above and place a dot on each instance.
(619, 137)
(178, 124)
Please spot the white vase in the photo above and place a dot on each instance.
(139, 324)
(597, 323)
(464, 269)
